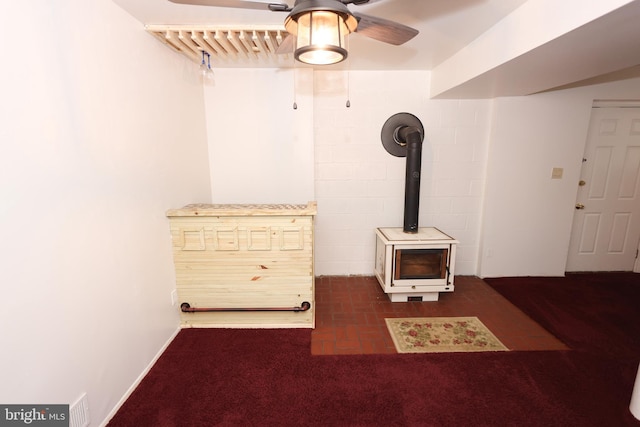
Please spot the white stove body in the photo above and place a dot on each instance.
(414, 266)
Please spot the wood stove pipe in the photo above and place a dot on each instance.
(402, 136)
(413, 140)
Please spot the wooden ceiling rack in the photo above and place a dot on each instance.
(228, 46)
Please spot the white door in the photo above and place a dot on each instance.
(606, 225)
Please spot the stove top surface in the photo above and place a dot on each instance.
(423, 234)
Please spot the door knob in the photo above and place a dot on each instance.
(582, 183)
(579, 206)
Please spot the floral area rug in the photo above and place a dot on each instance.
(442, 335)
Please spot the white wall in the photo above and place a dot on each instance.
(260, 147)
(102, 130)
(528, 216)
(359, 186)
(521, 226)
(264, 151)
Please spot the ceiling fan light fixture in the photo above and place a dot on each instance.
(320, 27)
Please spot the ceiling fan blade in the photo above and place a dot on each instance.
(384, 30)
(238, 4)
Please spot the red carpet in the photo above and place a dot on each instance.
(221, 377)
(598, 313)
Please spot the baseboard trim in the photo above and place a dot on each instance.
(138, 380)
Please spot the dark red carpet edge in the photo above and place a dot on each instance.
(221, 377)
(594, 312)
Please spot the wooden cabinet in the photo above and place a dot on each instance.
(244, 261)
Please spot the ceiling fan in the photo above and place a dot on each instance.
(319, 27)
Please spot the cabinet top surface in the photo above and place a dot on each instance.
(424, 234)
(201, 209)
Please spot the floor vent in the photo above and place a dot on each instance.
(79, 412)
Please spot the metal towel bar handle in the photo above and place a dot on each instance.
(185, 307)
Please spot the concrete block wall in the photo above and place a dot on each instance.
(359, 186)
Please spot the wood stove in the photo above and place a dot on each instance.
(412, 263)
(414, 266)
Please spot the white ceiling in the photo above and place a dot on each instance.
(446, 28)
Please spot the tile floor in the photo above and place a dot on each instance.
(350, 313)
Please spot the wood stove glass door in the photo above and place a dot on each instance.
(420, 263)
